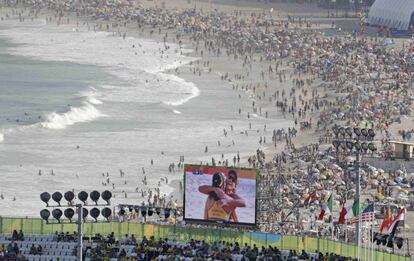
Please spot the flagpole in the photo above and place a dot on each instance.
(372, 233)
(365, 239)
(357, 228)
(405, 236)
(346, 232)
(332, 224)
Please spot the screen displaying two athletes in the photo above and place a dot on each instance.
(220, 194)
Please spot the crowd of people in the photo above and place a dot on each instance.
(346, 80)
(128, 248)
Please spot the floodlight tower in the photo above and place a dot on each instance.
(356, 140)
(82, 212)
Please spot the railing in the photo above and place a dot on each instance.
(120, 229)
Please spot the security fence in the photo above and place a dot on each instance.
(179, 233)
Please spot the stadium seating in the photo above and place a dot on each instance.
(53, 248)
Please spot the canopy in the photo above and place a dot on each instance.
(392, 14)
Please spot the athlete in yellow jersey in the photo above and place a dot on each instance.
(222, 200)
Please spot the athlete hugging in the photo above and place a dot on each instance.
(222, 199)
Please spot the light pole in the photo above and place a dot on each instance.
(82, 212)
(145, 212)
(360, 141)
(80, 231)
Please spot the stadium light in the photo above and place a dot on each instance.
(107, 195)
(106, 213)
(357, 132)
(57, 214)
(81, 210)
(342, 131)
(137, 209)
(357, 146)
(364, 132)
(166, 213)
(45, 214)
(85, 213)
(83, 196)
(371, 133)
(69, 213)
(95, 195)
(146, 211)
(57, 197)
(356, 140)
(349, 131)
(45, 197)
(69, 196)
(95, 212)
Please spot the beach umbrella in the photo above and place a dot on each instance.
(300, 162)
(315, 170)
(373, 182)
(391, 183)
(349, 159)
(404, 191)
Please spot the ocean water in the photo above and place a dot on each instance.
(81, 103)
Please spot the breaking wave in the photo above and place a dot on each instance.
(76, 114)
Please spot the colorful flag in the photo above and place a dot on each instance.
(355, 207)
(311, 198)
(327, 209)
(329, 204)
(342, 215)
(387, 220)
(348, 212)
(368, 215)
(321, 215)
(394, 224)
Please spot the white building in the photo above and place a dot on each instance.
(395, 14)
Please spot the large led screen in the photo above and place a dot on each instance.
(220, 194)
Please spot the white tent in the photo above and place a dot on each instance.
(392, 13)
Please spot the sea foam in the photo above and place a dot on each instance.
(85, 113)
(91, 96)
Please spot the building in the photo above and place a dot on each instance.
(402, 149)
(392, 14)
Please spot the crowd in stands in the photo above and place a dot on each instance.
(130, 248)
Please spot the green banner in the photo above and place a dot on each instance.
(179, 233)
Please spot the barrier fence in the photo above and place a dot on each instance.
(120, 229)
